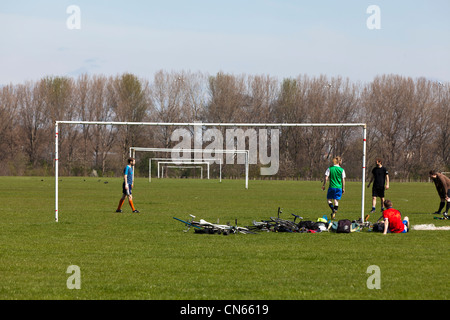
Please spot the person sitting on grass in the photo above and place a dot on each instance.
(393, 222)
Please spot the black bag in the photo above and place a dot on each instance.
(308, 225)
(344, 226)
(378, 227)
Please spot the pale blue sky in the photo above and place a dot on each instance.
(281, 38)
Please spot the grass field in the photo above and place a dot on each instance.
(148, 256)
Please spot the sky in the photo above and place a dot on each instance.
(280, 38)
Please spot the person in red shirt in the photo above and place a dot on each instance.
(393, 222)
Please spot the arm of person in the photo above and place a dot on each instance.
(343, 185)
(387, 181)
(125, 180)
(386, 225)
(370, 181)
(324, 182)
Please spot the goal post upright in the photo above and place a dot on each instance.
(363, 178)
(57, 127)
(56, 171)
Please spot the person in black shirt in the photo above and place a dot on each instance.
(380, 178)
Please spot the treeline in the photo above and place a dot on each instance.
(408, 120)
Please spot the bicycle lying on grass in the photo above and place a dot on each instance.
(203, 226)
(277, 224)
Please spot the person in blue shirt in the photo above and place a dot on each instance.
(127, 186)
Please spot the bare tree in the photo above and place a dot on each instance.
(33, 121)
(228, 97)
(441, 120)
(9, 142)
(407, 119)
(129, 99)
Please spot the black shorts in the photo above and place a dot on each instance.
(378, 192)
(125, 191)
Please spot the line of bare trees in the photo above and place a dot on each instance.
(408, 120)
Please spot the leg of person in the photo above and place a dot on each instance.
(448, 205)
(121, 201)
(380, 193)
(330, 197)
(330, 204)
(374, 203)
(337, 197)
(448, 201)
(130, 201)
(441, 206)
(336, 207)
(406, 223)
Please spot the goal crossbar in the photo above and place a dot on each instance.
(280, 125)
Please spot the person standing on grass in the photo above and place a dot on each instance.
(380, 178)
(127, 186)
(336, 175)
(442, 184)
(393, 222)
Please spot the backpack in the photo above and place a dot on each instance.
(307, 225)
(378, 227)
(344, 226)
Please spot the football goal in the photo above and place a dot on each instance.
(183, 167)
(161, 169)
(174, 152)
(198, 127)
(184, 162)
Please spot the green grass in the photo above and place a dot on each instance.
(148, 256)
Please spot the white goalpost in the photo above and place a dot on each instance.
(197, 124)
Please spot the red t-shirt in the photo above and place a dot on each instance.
(395, 220)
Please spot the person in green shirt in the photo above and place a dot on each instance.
(336, 175)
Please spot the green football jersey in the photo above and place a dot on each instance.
(336, 177)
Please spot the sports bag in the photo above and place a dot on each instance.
(306, 225)
(378, 227)
(344, 226)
